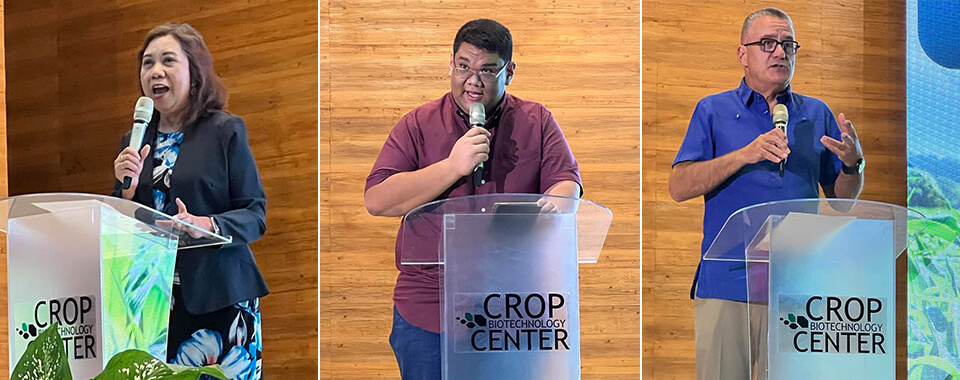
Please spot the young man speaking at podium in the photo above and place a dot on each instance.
(436, 151)
(734, 157)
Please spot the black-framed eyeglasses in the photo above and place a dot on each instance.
(769, 45)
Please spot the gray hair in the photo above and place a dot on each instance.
(774, 12)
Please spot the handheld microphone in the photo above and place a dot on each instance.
(478, 118)
(141, 118)
(780, 118)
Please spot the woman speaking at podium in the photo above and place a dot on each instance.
(196, 164)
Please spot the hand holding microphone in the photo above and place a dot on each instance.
(478, 119)
(129, 162)
(471, 150)
(770, 146)
(780, 118)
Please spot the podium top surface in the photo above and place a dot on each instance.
(421, 233)
(746, 232)
(140, 218)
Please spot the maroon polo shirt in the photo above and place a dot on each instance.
(528, 155)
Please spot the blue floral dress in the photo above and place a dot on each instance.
(229, 337)
(164, 157)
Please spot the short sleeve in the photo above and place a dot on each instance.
(557, 162)
(829, 162)
(698, 144)
(399, 152)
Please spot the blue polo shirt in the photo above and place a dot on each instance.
(725, 122)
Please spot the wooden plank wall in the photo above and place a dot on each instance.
(852, 57)
(73, 81)
(579, 58)
(4, 352)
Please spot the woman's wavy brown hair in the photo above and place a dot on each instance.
(206, 91)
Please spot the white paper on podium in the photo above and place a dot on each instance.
(56, 207)
(816, 228)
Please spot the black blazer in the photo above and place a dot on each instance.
(215, 175)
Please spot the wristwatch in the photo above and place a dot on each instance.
(855, 169)
(216, 227)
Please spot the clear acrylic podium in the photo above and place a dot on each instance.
(508, 279)
(101, 267)
(820, 280)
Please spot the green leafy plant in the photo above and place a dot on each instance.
(933, 277)
(139, 365)
(44, 359)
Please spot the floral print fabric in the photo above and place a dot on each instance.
(229, 337)
(164, 157)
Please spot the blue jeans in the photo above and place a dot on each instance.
(417, 350)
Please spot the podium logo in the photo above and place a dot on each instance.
(75, 316)
(832, 324)
(794, 322)
(28, 332)
(496, 322)
(471, 320)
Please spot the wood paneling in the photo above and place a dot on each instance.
(73, 77)
(4, 349)
(852, 57)
(580, 59)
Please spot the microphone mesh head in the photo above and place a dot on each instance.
(477, 114)
(780, 114)
(144, 110)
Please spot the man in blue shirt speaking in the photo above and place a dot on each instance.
(731, 156)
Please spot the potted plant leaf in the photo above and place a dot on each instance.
(45, 359)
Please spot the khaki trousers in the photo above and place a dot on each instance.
(723, 340)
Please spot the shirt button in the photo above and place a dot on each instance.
(766, 112)
(483, 181)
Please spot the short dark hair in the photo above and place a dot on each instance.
(206, 91)
(488, 35)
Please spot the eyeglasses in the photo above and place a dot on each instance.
(769, 45)
(486, 75)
